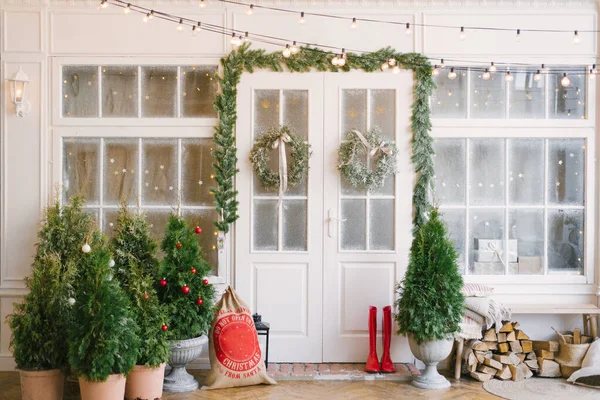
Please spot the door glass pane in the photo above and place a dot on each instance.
(208, 238)
(81, 169)
(197, 172)
(450, 171)
(159, 92)
(486, 235)
(80, 91)
(566, 160)
(120, 171)
(266, 111)
(383, 112)
(294, 225)
(388, 187)
(565, 241)
(381, 225)
(301, 188)
(349, 190)
(487, 97)
(526, 241)
(448, 100)
(353, 230)
(486, 164)
(295, 111)
(526, 171)
(527, 96)
(567, 102)
(455, 222)
(159, 163)
(198, 91)
(120, 91)
(354, 110)
(264, 225)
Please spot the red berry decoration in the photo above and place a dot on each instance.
(164, 327)
(178, 245)
(185, 289)
(146, 296)
(205, 281)
(163, 282)
(193, 270)
(198, 230)
(199, 301)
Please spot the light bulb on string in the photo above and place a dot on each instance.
(151, 15)
(508, 77)
(594, 68)
(250, 9)
(287, 52)
(592, 73)
(486, 75)
(435, 71)
(442, 65)
(462, 35)
(104, 4)
(202, 4)
(492, 67)
(543, 69)
(246, 37)
(385, 66)
(565, 81)
(335, 60)
(302, 20)
(127, 9)
(235, 41)
(342, 60)
(392, 62)
(518, 37)
(146, 17)
(451, 74)
(408, 31)
(195, 29)
(180, 25)
(396, 69)
(576, 38)
(353, 24)
(294, 49)
(538, 76)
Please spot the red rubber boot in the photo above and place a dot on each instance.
(372, 361)
(387, 365)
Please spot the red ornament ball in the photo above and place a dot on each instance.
(199, 301)
(205, 281)
(178, 245)
(198, 230)
(164, 327)
(146, 296)
(185, 289)
(163, 282)
(193, 270)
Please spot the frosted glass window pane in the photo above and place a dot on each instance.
(81, 169)
(80, 91)
(207, 239)
(95, 213)
(197, 172)
(110, 221)
(566, 161)
(198, 91)
(264, 226)
(565, 241)
(485, 224)
(450, 171)
(157, 222)
(527, 97)
(347, 188)
(353, 230)
(388, 187)
(567, 102)
(448, 100)
(354, 110)
(294, 225)
(120, 91)
(120, 170)
(295, 111)
(455, 222)
(159, 92)
(526, 171)
(266, 111)
(159, 178)
(383, 112)
(527, 227)
(488, 98)
(298, 190)
(381, 225)
(486, 165)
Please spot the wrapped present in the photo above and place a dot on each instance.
(490, 250)
(531, 265)
(493, 268)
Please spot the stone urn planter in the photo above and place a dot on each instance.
(145, 382)
(112, 388)
(42, 385)
(431, 353)
(182, 353)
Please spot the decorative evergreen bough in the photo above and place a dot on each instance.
(430, 304)
(307, 59)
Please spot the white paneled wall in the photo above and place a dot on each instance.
(32, 32)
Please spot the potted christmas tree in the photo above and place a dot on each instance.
(136, 266)
(430, 303)
(39, 322)
(185, 290)
(103, 341)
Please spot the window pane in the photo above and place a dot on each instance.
(157, 222)
(266, 111)
(109, 221)
(353, 230)
(295, 111)
(294, 225)
(120, 171)
(527, 96)
(159, 92)
(354, 110)
(566, 159)
(198, 91)
(455, 221)
(526, 227)
(383, 112)
(264, 226)
(81, 169)
(448, 100)
(567, 102)
(349, 190)
(120, 91)
(159, 163)
(486, 235)
(208, 238)
(381, 225)
(80, 91)
(526, 171)
(388, 187)
(486, 165)
(450, 171)
(94, 212)
(565, 241)
(488, 97)
(197, 172)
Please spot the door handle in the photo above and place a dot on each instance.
(330, 220)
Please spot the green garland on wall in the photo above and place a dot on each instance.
(306, 60)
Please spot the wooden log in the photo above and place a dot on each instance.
(521, 335)
(511, 337)
(549, 345)
(548, 368)
(469, 357)
(586, 339)
(503, 347)
(568, 339)
(545, 354)
(515, 325)
(490, 362)
(486, 370)
(478, 345)
(503, 359)
(515, 347)
(480, 355)
(480, 376)
(507, 327)
(576, 336)
(515, 360)
(527, 346)
(517, 374)
(531, 356)
(532, 364)
(501, 337)
(504, 373)
(526, 371)
(490, 335)
(492, 345)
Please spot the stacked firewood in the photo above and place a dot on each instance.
(509, 354)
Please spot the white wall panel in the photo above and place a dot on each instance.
(22, 31)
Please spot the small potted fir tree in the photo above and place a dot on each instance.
(430, 303)
(103, 341)
(39, 322)
(185, 290)
(136, 266)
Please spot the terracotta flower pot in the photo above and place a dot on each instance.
(145, 383)
(430, 353)
(42, 385)
(111, 389)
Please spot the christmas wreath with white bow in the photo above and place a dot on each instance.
(292, 173)
(381, 156)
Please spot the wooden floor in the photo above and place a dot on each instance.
(464, 389)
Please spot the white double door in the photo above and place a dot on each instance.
(313, 263)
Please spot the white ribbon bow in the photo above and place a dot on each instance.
(496, 250)
(283, 177)
(373, 150)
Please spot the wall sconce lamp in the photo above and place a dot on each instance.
(19, 83)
